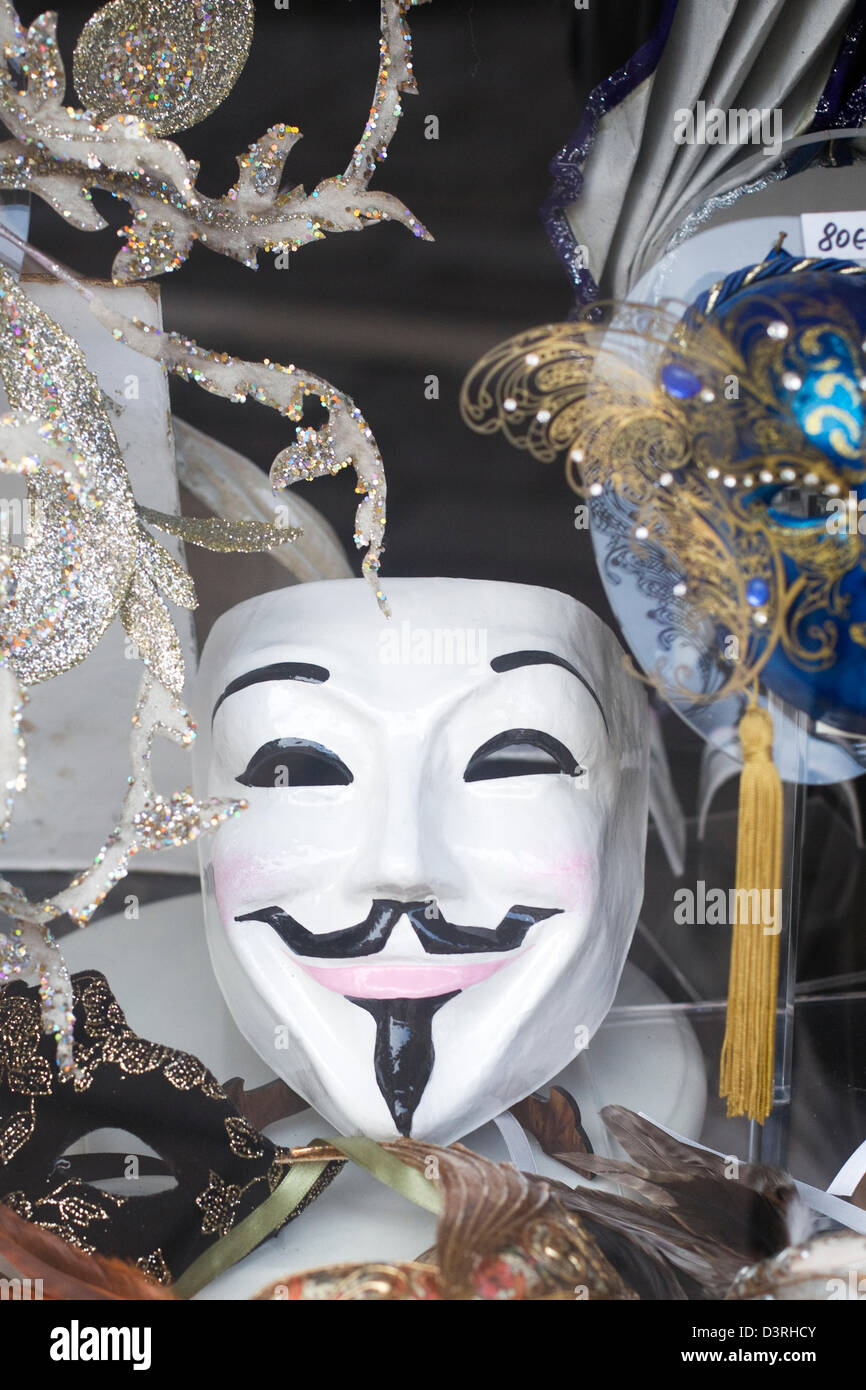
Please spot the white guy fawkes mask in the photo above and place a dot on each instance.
(424, 912)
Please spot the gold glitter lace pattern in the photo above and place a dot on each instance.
(72, 1206)
(115, 1043)
(112, 1042)
(22, 1069)
(219, 1203)
(155, 1266)
(68, 1211)
(244, 1141)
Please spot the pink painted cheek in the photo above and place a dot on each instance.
(572, 879)
(239, 875)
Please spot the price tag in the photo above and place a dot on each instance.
(841, 234)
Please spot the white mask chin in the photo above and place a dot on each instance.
(424, 912)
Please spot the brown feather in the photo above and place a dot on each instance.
(707, 1216)
(266, 1104)
(67, 1273)
(556, 1122)
(486, 1206)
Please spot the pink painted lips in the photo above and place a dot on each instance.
(382, 980)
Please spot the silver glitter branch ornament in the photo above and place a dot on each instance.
(148, 821)
(146, 70)
(82, 566)
(87, 557)
(61, 153)
(345, 441)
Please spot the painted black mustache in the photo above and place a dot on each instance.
(438, 936)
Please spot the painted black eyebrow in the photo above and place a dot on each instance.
(280, 671)
(512, 660)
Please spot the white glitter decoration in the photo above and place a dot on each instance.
(346, 440)
(90, 556)
(148, 820)
(61, 154)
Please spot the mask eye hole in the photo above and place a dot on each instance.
(520, 753)
(799, 506)
(294, 762)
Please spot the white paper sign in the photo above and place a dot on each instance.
(841, 234)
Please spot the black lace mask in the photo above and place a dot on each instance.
(223, 1167)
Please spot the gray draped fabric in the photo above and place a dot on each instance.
(639, 183)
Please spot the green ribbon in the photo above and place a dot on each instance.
(276, 1208)
(250, 1232)
(389, 1169)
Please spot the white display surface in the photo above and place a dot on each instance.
(159, 970)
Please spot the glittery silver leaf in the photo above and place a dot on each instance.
(346, 439)
(45, 374)
(222, 533)
(86, 556)
(171, 61)
(147, 622)
(167, 574)
(32, 448)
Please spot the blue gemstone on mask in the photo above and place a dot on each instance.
(757, 592)
(679, 381)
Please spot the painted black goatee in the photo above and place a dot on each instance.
(403, 1056)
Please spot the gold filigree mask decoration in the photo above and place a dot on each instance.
(172, 62)
(704, 478)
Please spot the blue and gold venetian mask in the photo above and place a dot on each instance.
(719, 449)
(731, 435)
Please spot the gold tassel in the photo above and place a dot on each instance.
(748, 1051)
